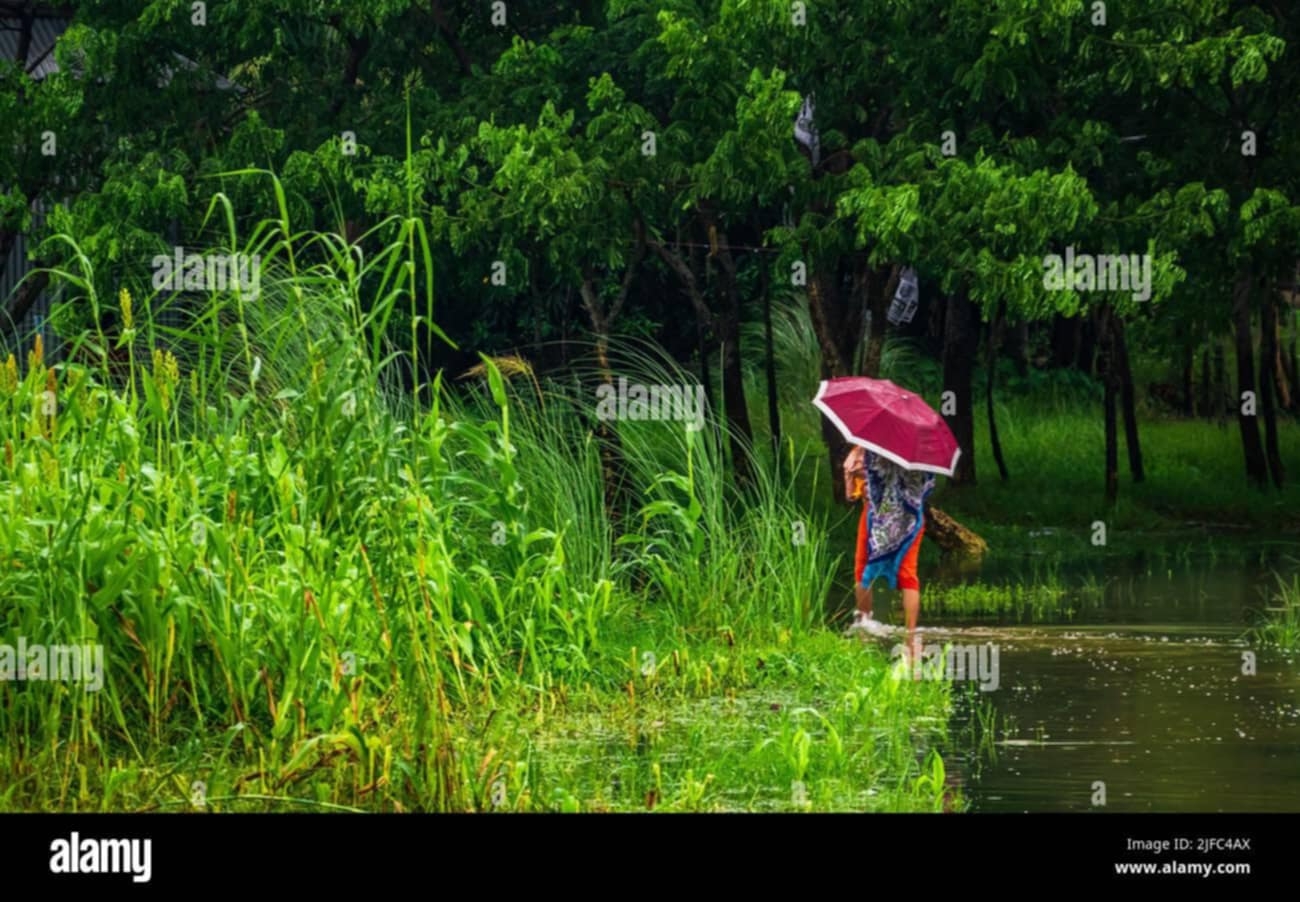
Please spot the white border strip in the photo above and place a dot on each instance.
(883, 452)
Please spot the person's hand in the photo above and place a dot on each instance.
(854, 473)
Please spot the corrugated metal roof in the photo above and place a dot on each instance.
(40, 55)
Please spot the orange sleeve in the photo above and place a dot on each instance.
(860, 557)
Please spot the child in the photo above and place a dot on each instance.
(889, 533)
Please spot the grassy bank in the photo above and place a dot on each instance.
(313, 590)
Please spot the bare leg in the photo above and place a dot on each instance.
(863, 597)
(911, 609)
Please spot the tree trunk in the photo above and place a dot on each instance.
(1282, 378)
(703, 316)
(685, 271)
(613, 462)
(773, 410)
(564, 328)
(1286, 387)
(7, 239)
(878, 306)
(934, 321)
(1019, 348)
(1221, 389)
(991, 367)
(1189, 378)
(1205, 382)
(706, 372)
(1112, 444)
(1267, 374)
(740, 433)
(1062, 341)
(1127, 400)
(960, 342)
(1256, 465)
(1108, 367)
(821, 304)
(1295, 365)
(1087, 356)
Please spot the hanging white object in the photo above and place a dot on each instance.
(906, 299)
(805, 132)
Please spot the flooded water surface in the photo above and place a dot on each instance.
(1128, 684)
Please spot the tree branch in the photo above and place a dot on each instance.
(637, 256)
(683, 272)
(592, 304)
(358, 47)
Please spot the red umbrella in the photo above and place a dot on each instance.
(890, 421)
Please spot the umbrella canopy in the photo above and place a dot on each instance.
(890, 421)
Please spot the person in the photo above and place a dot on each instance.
(889, 534)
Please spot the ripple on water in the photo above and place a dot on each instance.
(1166, 721)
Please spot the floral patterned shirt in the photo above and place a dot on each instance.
(897, 503)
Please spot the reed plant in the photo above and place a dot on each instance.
(321, 583)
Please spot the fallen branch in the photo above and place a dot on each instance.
(951, 536)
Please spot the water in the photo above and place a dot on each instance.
(1135, 693)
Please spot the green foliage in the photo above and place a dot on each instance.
(1279, 626)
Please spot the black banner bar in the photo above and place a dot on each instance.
(333, 852)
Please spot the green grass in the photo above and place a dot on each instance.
(807, 723)
(1279, 625)
(1030, 601)
(315, 590)
(1194, 475)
